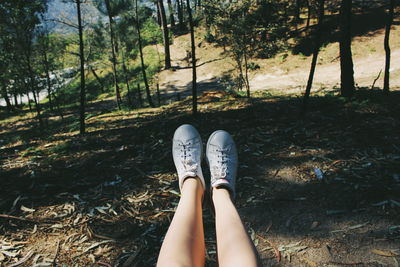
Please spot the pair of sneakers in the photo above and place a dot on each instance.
(221, 156)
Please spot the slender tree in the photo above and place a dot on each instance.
(317, 45)
(346, 60)
(386, 86)
(82, 68)
(194, 81)
(111, 13)
(179, 6)
(165, 34)
(171, 13)
(146, 84)
(308, 13)
(44, 48)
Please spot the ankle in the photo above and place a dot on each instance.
(220, 194)
(192, 185)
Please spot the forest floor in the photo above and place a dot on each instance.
(106, 198)
(319, 190)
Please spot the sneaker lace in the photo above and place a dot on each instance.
(188, 160)
(220, 170)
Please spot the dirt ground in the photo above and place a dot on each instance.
(316, 191)
(285, 73)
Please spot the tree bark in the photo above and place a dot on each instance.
(127, 81)
(194, 82)
(317, 46)
(346, 60)
(82, 61)
(158, 13)
(146, 84)
(246, 73)
(158, 94)
(298, 10)
(171, 14)
(113, 54)
(33, 88)
(46, 66)
(97, 78)
(386, 86)
(308, 14)
(165, 34)
(15, 94)
(139, 95)
(6, 98)
(180, 15)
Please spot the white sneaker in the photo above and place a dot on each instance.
(222, 158)
(187, 150)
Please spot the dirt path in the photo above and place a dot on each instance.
(366, 69)
(214, 65)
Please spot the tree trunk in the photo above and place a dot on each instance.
(158, 13)
(6, 98)
(158, 94)
(241, 76)
(298, 10)
(171, 14)
(33, 89)
(139, 95)
(15, 99)
(113, 54)
(82, 61)
(165, 34)
(46, 66)
(127, 81)
(97, 78)
(386, 86)
(57, 101)
(346, 60)
(317, 45)
(142, 59)
(246, 73)
(29, 102)
(180, 15)
(194, 82)
(308, 14)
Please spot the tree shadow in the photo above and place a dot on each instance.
(352, 142)
(363, 24)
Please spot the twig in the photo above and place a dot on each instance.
(6, 216)
(277, 252)
(379, 75)
(17, 218)
(346, 263)
(104, 263)
(24, 259)
(57, 250)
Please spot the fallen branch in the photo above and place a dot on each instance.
(5, 216)
(346, 263)
(373, 84)
(276, 250)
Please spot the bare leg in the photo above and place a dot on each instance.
(184, 242)
(234, 245)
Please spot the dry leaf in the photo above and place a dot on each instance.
(23, 208)
(386, 253)
(102, 250)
